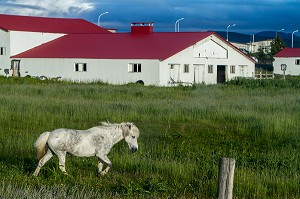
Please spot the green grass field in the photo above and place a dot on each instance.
(184, 133)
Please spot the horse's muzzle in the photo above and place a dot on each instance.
(134, 149)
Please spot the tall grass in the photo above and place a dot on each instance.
(184, 132)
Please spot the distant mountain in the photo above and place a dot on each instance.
(260, 36)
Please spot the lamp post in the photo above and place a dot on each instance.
(227, 30)
(100, 16)
(278, 31)
(177, 24)
(293, 38)
(252, 46)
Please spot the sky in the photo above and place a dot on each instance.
(250, 16)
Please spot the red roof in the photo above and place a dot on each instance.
(116, 46)
(158, 45)
(288, 52)
(48, 25)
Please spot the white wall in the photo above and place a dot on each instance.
(22, 41)
(4, 59)
(218, 53)
(209, 49)
(111, 71)
(292, 68)
(16, 42)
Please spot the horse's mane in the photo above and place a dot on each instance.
(108, 124)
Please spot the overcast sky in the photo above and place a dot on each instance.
(250, 16)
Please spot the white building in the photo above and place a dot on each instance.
(21, 33)
(253, 47)
(155, 58)
(289, 57)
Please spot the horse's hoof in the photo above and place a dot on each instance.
(102, 173)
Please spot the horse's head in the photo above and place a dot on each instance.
(131, 134)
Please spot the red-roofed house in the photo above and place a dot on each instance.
(20, 33)
(142, 55)
(291, 58)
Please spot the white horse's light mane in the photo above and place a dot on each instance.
(123, 124)
(108, 124)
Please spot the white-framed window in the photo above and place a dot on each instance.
(297, 61)
(186, 68)
(80, 67)
(232, 69)
(210, 68)
(2, 50)
(135, 68)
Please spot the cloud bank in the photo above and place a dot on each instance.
(52, 8)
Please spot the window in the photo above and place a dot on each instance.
(80, 67)
(2, 50)
(186, 68)
(210, 68)
(232, 69)
(297, 61)
(134, 68)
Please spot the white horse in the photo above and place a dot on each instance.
(96, 141)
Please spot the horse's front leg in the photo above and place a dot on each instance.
(103, 159)
(100, 165)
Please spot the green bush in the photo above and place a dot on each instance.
(278, 82)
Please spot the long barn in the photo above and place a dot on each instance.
(141, 55)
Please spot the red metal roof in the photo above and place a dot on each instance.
(288, 52)
(159, 45)
(116, 46)
(48, 25)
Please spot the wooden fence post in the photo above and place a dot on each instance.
(226, 174)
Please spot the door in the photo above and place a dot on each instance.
(174, 73)
(221, 74)
(199, 74)
(15, 67)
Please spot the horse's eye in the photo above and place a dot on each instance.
(133, 136)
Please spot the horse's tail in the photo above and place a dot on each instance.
(41, 145)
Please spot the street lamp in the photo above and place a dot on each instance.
(278, 31)
(293, 38)
(227, 30)
(252, 46)
(100, 16)
(177, 24)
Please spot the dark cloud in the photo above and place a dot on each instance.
(249, 16)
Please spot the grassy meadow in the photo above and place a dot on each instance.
(184, 133)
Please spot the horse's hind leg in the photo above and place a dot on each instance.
(42, 162)
(62, 160)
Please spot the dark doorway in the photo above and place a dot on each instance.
(221, 74)
(15, 67)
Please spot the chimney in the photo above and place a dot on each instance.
(141, 27)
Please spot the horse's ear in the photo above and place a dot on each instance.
(129, 126)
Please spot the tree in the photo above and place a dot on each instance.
(277, 45)
(262, 56)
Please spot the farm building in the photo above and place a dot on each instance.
(289, 57)
(154, 58)
(21, 33)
